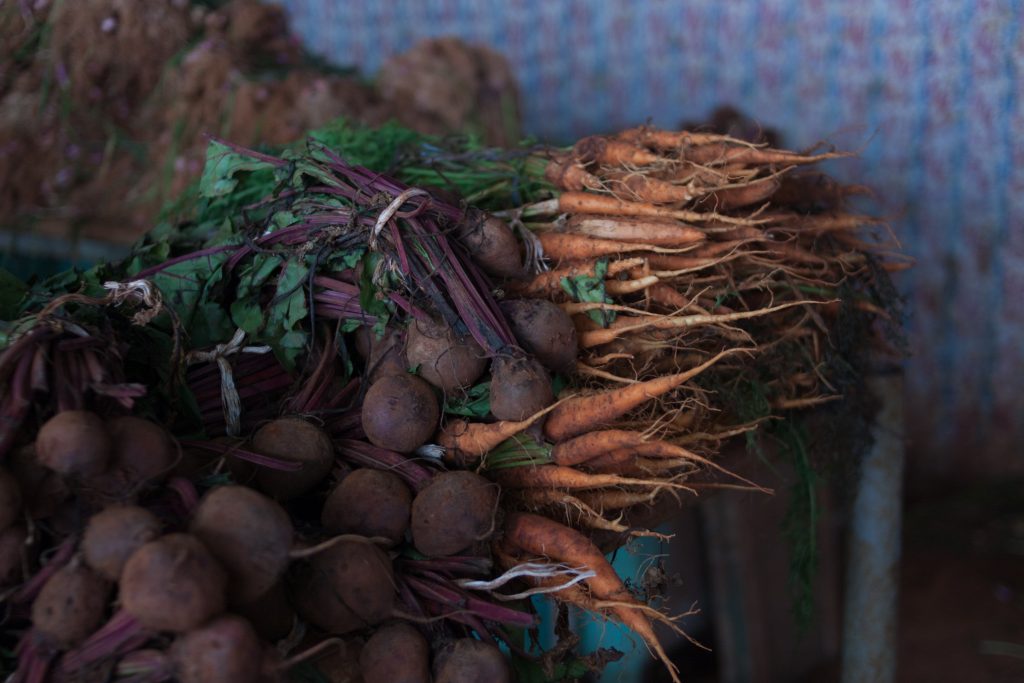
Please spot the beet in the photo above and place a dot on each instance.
(387, 355)
(114, 534)
(70, 605)
(341, 664)
(12, 553)
(455, 510)
(74, 443)
(545, 330)
(450, 363)
(520, 387)
(173, 584)
(492, 244)
(468, 660)
(400, 413)
(270, 614)
(344, 588)
(396, 653)
(369, 503)
(10, 499)
(226, 650)
(292, 438)
(142, 452)
(249, 534)
(42, 489)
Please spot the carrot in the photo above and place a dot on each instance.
(664, 233)
(623, 324)
(745, 195)
(466, 441)
(620, 287)
(590, 445)
(670, 297)
(569, 175)
(670, 139)
(585, 202)
(638, 187)
(822, 222)
(587, 413)
(657, 449)
(609, 152)
(719, 153)
(627, 464)
(544, 285)
(578, 512)
(617, 499)
(542, 536)
(555, 476)
(560, 246)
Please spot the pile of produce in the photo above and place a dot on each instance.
(106, 106)
(343, 417)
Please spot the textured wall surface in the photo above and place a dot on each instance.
(928, 91)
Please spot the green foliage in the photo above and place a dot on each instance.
(590, 288)
(476, 402)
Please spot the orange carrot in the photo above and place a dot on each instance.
(559, 246)
(587, 413)
(544, 285)
(585, 202)
(566, 174)
(658, 449)
(664, 233)
(547, 538)
(620, 287)
(613, 152)
(558, 477)
(617, 499)
(577, 512)
(590, 445)
(464, 441)
(719, 153)
(639, 187)
(670, 139)
(745, 195)
(623, 323)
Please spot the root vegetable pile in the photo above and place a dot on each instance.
(335, 422)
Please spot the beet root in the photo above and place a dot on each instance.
(449, 363)
(10, 499)
(544, 330)
(12, 553)
(396, 653)
(387, 355)
(520, 387)
(344, 588)
(114, 534)
(400, 413)
(74, 443)
(454, 511)
(141, 452)
(226, 649)
(70, 605)
(491, 244)
(42, 489)
(292, 438)
(271, 614)
(468, 660)
(249, 534)
(173, 584)
(369, 503)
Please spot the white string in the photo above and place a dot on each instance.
(230, 400)
(388, 213)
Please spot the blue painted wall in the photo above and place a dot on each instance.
(927, 91)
